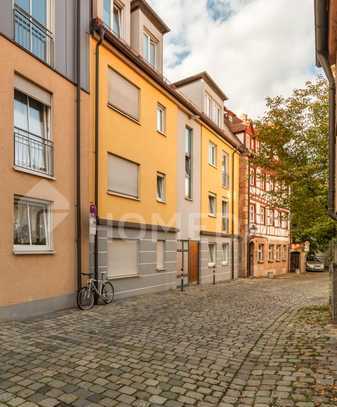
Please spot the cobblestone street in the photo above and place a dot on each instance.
(256, 342)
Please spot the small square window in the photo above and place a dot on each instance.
(212, 205)
(161, 119)
(161, 187)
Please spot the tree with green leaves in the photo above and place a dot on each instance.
(294, 146)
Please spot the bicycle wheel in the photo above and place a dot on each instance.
(85, 299)
(108, 293)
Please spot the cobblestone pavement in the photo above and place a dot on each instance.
(246, 343)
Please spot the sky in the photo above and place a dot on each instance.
(251, 48)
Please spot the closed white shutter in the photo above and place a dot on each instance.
(30, 89)
(160, 255)
(122, 176)
(123, 94)
(122, 258)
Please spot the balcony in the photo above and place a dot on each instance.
(33, 36)
(33, 153)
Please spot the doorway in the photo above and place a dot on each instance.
(251, 259)
(294, 261)
(193, 262)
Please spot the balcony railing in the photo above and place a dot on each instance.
(33, 36)
(33, 153)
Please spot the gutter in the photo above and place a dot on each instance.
(78, 150)
(321, 28)
(97, 100)
(233, 249)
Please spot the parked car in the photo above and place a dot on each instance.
(314, 264)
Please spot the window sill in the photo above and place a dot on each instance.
(132, 198)
(225, 263)
(161, 201)
(159, 270)
(161, 133)
(112, 107)
(122, 277)
(18, 252)
(188, 199)
(211, 216)
(212, 165)
(35, 173)
(260, 261)
(211, 265)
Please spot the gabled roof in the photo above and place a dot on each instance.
(150, 14)
(205, 76)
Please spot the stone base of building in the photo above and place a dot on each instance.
(223, 270)
(138, 250)
(37, 308)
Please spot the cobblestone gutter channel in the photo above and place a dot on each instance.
(253, 343)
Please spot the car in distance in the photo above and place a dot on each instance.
(314, 264)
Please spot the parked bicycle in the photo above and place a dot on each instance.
(86, 295)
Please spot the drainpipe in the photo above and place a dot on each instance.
(248, 222)
(78, 149)
(321, 25)
(97, 99)
(233, 212)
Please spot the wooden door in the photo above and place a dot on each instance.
(251, 259)
(294, 261)
(193, 262)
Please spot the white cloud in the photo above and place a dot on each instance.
(263, 48)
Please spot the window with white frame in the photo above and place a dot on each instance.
(217, 114)
(277, 218)
(270, 218)
(32, 144)
(150, 46)
(208, 105)
(252, 213)
(224, 170)
(112, 16)
(212, 110)
(252, 177)
(32, 224)
(262, 215)
(160, 252)
(161, 118)
(260, 253)
(32, 27)
(188, 162)
(212, 204)
(271, 253)
(285, 253)
(212, 152)
(224, 215)
(285, 220)
(211, 254)
(225, 254)
(161, 187)
(278, 252)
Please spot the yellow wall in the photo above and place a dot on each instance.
(212, 182)
(138, 142)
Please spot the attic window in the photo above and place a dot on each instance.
(150, 50)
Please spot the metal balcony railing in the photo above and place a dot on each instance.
(33, 153)
(33, 36)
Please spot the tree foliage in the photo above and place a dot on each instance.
(294, 146)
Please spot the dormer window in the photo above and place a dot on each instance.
(150, 49)
(212, 110)
(112, 16)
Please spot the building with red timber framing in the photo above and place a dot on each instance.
(264, 229)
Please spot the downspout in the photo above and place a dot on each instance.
(97, 99)
(332, 134)
(248, 222)
(233, 213)
(78, 149)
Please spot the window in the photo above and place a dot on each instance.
(285, 253)
(31, 20)
(271, 252)
(160, 250)
(212, 151)
(161, 187)
(161, 118)
(253, 143)
(217, 114)
(270, 218)
(123, 95)
(188, 162)
(224, 216)
(32, 228)
(212, 205)
(253, 177)
(225, 254)
(278, 252)
(252, 213)
(208, 106)
(211, 254)
(260, 253)
(150, 50)
(122, 258)
(262, 215)
(277, 222)
(112, 16)
(33, 149)
(263, 182)
(224, 170)
(123, 176)
(285, 220)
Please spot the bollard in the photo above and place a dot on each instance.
(214, 275)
